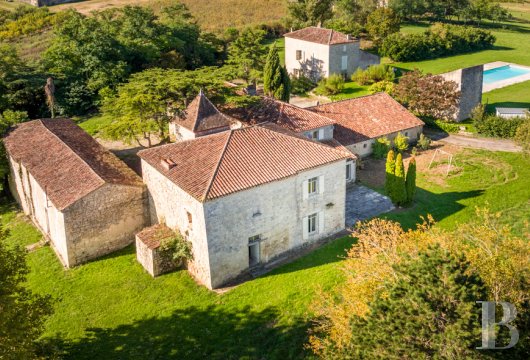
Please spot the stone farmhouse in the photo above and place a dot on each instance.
(316, 52)
(245, 188)
(85, 201)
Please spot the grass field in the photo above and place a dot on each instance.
(517, 95)
(112, 309)
(512, 45)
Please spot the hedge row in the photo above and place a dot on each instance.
(495, 126)
(439, 40)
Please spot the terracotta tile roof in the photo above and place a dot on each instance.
(283, 114)
(337, 145)
(202, 115)
(321, 36)
(152, 235)
(220, 164)
(367, 117)
(64, 160)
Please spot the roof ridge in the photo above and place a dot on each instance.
(216, 170)
(302, 139)
(72, 150)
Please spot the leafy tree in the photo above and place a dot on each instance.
(276, 82)
(310, 12)
(381, 23)
(247, 54)
(424, 142)
(428, 95)
(431, 302)
(22, 313)
(141, 107)
(522, 135)
(380, 147)
(390, 171)
(355, 11)
(410, 181)
(401, 142)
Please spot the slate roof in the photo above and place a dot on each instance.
(321, 36)
(367, 117)
(220, 164)
(202, 115)
(64, 160)
(283, 114)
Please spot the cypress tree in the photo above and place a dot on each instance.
(410, 181)
(276, 81)
(390, 172)
(399, 191)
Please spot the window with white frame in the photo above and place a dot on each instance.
(312, 226)
(312, 186)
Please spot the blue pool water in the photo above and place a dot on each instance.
(503, 73)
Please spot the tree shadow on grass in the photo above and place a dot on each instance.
(439, 206)
(490, 107)
(196, 333)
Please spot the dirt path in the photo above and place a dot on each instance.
(476, 142)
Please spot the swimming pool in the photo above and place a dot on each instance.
(503, 73)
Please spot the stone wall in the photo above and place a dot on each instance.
(169, 204)
(276, 212)
(104, 221)
(34, 202)
(151, 260)
(315, 58)
(348, 51)
(364, 148)
(367, 59)
(469, 82)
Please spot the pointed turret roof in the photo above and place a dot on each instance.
(202, 115)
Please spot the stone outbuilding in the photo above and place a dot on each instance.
(148, 250)
(84, 200)
(469, 81)
(200, 118)
(245, 197)
(361, 121)
(317, 53)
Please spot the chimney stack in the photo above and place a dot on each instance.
(167, 164)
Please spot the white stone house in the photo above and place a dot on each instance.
(84, 200)
(316, 52)
(245, 197)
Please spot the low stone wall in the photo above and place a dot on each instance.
(469, 81)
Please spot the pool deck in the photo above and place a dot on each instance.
(503, 83)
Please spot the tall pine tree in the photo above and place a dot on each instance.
(410, 181)
(390, 171)
(276, 82)
(399, 191)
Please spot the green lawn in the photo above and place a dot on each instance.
(93, 124)
(517, 95)
(112, 309)
(351, 90)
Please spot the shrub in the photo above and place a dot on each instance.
(401, 142)
(380, 147)
(301, 85)
(330, 86)
(424, 142)
(399, 191)
(522, 135)
(390, 171)
(441, 125)
(496, 126)
(410, 181)
(381, 23)
(176, 248)
(381, 86)
(373, 74)
(438, 40)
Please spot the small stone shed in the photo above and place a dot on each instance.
(148, 251)
(83, 199)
